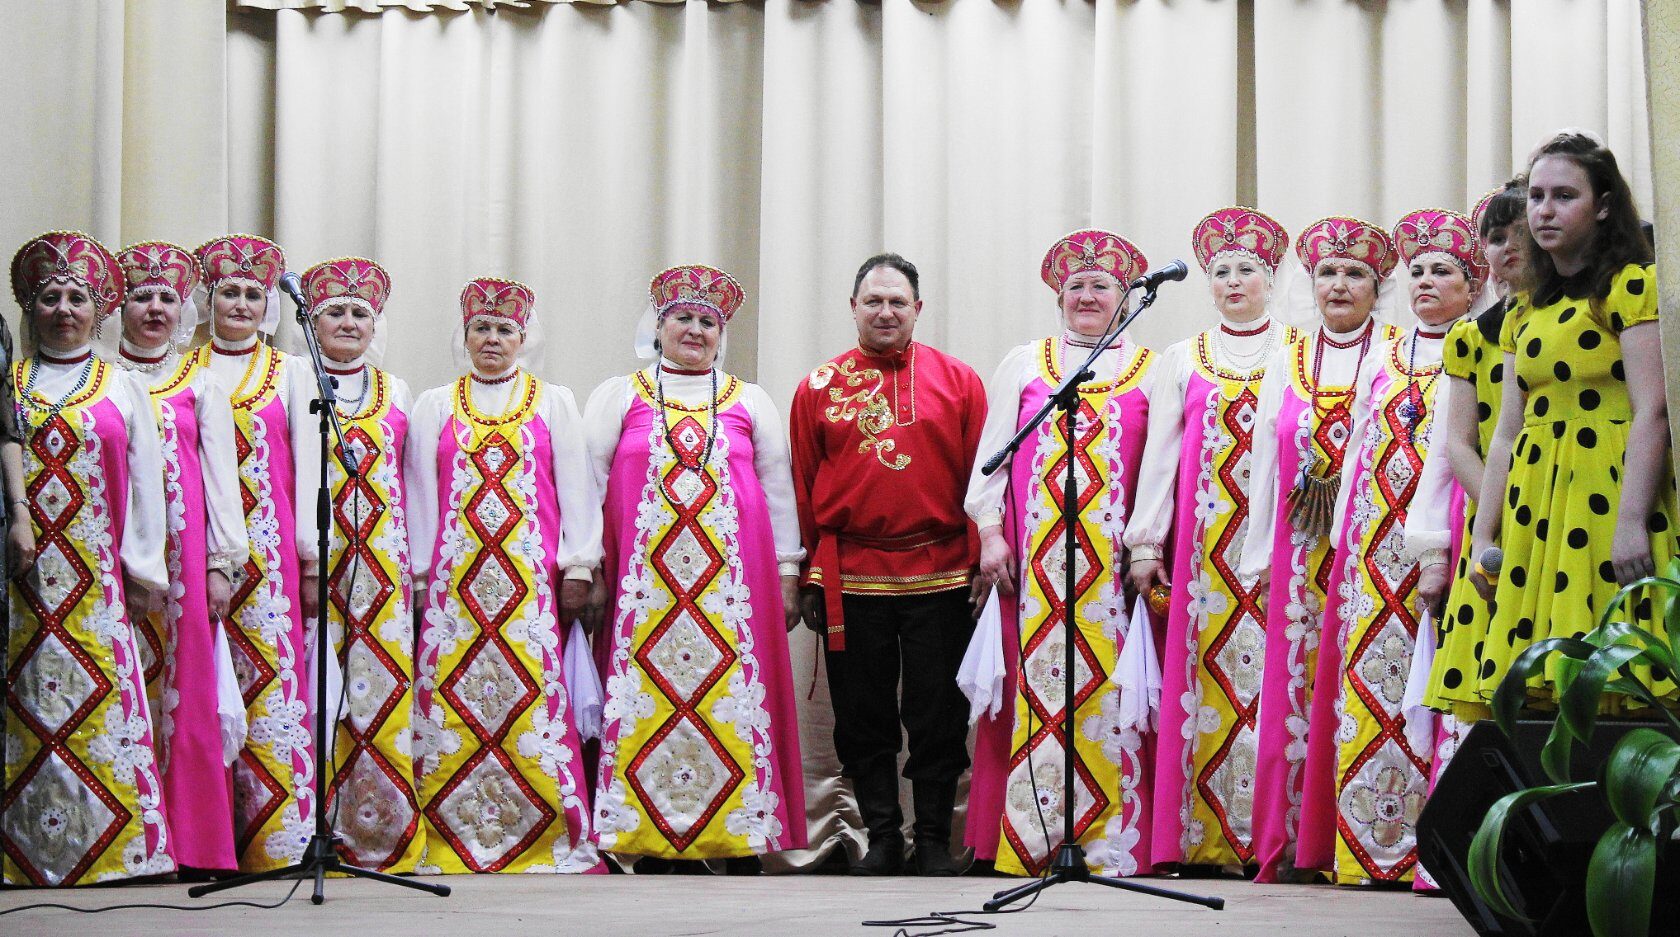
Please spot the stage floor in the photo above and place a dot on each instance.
(801, 905)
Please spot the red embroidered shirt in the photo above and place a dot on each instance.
(882, 450)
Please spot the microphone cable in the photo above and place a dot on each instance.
(324, 787)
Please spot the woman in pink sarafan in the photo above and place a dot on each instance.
(81, 797)
(700, 748)
(1016, 798)
(1368, 777)
(1201, 429)
(197, 713)
(504, 531)
(274, 591)
(1303, 420)
(369, 591)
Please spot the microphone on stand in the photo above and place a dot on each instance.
(292, 284)
(1152, 280)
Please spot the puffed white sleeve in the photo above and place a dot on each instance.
(984, 501)
(401, 397)
(420, 478)
(580, 505)
(1429, 517)
(218, 458)
(300, 389)
(1263, 490)
(773, 460)
(1152, 516)
(603, 422)
(145, 526)
(1358, 427)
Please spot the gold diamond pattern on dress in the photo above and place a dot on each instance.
(683, 777)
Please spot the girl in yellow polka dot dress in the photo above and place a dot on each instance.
(1475, 372)
(1584, 512)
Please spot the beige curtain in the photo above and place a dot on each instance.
(582, 147)
(1662, 52)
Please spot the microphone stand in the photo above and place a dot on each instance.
(1069, 864)
(320, 856)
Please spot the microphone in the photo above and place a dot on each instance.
(292, 284)
(1489, 563)
(1154, 278)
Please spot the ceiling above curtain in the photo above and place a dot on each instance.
(423, 6)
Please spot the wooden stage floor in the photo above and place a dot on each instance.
(800, 906)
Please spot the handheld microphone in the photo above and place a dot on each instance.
(1154, 278)
(1489, 563)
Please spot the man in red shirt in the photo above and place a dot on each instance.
(883, 439)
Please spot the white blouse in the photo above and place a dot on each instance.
(580, 507)
(1019, 368)
(1429, 518)
(1152, 517)
(297, 389)
(603, 418)
(217, 456)
(144, 530)
(1338, 369)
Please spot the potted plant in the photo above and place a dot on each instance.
(1639, 783)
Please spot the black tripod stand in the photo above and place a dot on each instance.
(1069, 863)
(321, 855)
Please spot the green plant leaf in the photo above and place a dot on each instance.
(1558, 753)
(1639, 691)
(1656, 650)
(1490, 836)
(1641, 767)
(1512, 694)
(1621, 877)
(1668, 584)
(1578, 706)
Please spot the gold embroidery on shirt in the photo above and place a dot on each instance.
(868, 409)
(821, 376)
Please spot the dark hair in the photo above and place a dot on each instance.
(896, 262)
(1508, 205)
(1617, 242)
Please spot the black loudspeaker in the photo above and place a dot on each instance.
(1544, 867)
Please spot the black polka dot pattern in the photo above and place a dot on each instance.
(1562, 497)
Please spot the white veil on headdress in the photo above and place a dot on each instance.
(1294, 302)
(107, 340)
(530, 355)
(646, 343)
(201, 301)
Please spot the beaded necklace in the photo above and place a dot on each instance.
(1363, 341)
(1246, 362)
(665, 421)
(52, 410)
(143, 365)
(1411, 409)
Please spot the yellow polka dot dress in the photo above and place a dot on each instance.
(1566, 477)
(1471, 353)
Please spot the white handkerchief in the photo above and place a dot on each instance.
(583, 684)
(230, 703)
(1138, 673)
(1420, 719)
(981, 675)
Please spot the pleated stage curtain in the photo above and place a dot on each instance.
(581, 147)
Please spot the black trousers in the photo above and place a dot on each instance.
(919, 639)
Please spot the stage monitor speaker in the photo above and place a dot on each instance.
(1544, 865)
